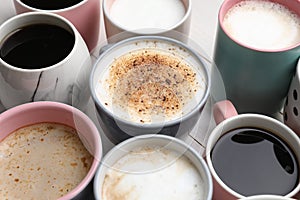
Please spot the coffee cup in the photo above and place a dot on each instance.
(292, 104)
(153, 166)
(84, 14)
(134, 18)
(49, 150)
(43, 57)
(251, 154)
(149, 85)
(256, 51)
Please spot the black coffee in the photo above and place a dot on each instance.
(252, 161)
(37, 46)
(50, 4)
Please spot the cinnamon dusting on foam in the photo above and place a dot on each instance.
(150, 83)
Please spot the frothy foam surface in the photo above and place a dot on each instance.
(263, 25)
(145, 14)
(166, 176)
(46, 159)
(148, 85)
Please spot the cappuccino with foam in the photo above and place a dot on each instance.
(42, 161)
(263, 25)
(152, 172)
(150, 85)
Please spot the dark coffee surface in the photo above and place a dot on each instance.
(251, 161)
(51, 4)
(37, 46)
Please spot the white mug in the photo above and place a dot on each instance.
(62, 82)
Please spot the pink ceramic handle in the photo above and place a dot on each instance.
(223, 110)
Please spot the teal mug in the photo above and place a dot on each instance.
(257, 76)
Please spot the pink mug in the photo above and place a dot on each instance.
(227, 120)
(85, 16)
(53, 112)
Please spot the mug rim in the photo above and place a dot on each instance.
(218, 132)
(171, 139)
(187, 14)
(30, 107)
(186, 116)
(222, 12)
(37, 15)
(53, 10)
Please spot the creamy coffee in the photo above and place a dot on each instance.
(145, 14)
(263, 25)
(42, 161)
(152, 172)
(150, 85)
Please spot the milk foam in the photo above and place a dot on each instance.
(148, 92)
(145, 14)
(162, 175)
(44, 160)
(263, 25)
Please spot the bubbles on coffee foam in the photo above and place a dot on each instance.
(44, 158)
(263, 24)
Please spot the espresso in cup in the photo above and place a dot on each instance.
(43, 58)
(51, 5)
(263, 25)
(37, 46)
(45, 159)
(253, 161)
(84, 15)
(251, 154)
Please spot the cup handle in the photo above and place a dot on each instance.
(223, 110)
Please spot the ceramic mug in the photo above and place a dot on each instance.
(228, 121)
(53, 112)
(256, 79)
(291, 113)
(63, 81)
(84, 14)
(133, 18)
(147, 85)
(143, 164)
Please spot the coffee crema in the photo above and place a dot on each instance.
(252, 161)
(155, 173)
(37, 46)
(51, 4)
(144, 14)
(263, 25)
(42, 161)
(149, 85)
